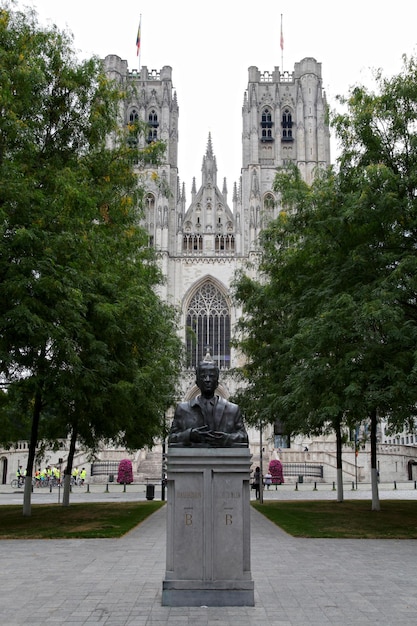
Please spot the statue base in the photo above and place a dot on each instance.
(208, 528)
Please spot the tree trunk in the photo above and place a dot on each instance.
(67, 488)
(376, 506)
(27, 509)
(339, 469)
(68, 469)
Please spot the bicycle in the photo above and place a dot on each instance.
(19, 482)
(49, 481)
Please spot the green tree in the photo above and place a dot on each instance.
(379, 157)
(86, 345)
(295, 347)
(330, 330)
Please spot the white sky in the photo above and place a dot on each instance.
(210, 47)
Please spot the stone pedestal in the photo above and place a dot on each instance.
(208, 528)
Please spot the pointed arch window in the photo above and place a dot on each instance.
(287, 125)
(266, 125)
(153, 119)
(153, 124)
(132, 140)
(150, 217)
(208, 324)
(268, 209)
(134, 116)
(150, 203)
(152, 135)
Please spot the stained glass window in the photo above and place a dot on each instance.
(208, 324)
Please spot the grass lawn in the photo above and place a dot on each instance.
(85, 521)
(351, 519)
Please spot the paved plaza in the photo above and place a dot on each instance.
(298, 582)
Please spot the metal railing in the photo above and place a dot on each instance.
(104, 467)
(303, 469)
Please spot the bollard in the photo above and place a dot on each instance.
(353, 485)
(315, 487)
(334, 486)
(124, 487)
(296, 486)
(88, 487)
(395, 485)
(415, 484)
(107, 488)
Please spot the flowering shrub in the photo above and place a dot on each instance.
(275, 469)
(125, 472)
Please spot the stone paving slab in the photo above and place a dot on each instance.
(118, 582)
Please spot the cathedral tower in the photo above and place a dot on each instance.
(150, 98)
(284, 121)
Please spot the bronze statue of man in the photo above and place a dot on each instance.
(208, 420)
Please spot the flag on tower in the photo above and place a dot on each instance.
(282, 36)
(138, 38)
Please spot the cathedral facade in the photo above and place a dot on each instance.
(202, 242)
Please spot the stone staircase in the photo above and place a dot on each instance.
(149, 469)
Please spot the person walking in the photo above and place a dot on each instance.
(257, 482)
(83, 475)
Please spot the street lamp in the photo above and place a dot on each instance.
(163, 468)
(356, 457)
(261, 484)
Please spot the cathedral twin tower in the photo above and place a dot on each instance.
(202, 244)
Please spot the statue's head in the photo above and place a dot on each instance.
(207, 375)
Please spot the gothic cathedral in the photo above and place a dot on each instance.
(203, 242)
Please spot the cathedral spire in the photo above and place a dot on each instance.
(224, 190)
(209, 150)
(209, 167)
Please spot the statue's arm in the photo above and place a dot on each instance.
(239, 435)
(236, 432)
(179, 433)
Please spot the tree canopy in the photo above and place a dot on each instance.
(86, 344)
